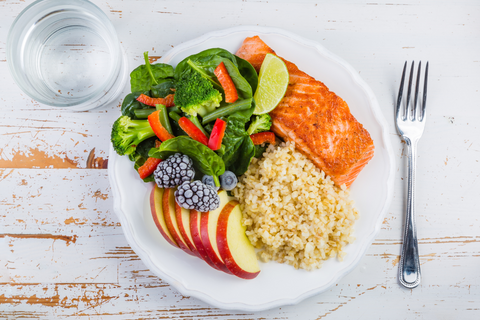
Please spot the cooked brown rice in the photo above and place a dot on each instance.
(294, 213)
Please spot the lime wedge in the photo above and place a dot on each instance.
(272, 84)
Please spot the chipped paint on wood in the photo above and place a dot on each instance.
(124, 253)
(152, 59)
(67, 239)
(58, 296)
(96, 162)
(34, 158)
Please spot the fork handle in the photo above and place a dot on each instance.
(409, 270)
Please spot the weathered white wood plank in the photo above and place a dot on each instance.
(105, 301)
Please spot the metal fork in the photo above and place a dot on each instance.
(410, 124)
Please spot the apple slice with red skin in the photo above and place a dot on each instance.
(196, 237)
(237, 252)
(171, 220)
(183, 221)
(156, 206)
(208, 232)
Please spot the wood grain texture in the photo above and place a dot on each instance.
(62, 249)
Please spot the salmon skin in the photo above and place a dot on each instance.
(317, 120)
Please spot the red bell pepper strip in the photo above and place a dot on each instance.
(192, 130)
(160, 131)
(231, 94)
(148, 167)
(216, 137)
(262, 137)
(167, 101)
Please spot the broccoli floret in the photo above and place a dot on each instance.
(195, 95)
(128, 133)
(261, 123)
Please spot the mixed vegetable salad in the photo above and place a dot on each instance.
(192, 126)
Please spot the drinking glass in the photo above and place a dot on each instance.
(66, 53)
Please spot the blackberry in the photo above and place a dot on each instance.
(198, 196)
(172, 172)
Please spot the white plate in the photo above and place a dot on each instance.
(277, 284)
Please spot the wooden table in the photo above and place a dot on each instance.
(62, 250)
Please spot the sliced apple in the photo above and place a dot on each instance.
(235, 249)
(156, 206)
(171, 220)
(208, 232)
(183, 221)
(196, 237)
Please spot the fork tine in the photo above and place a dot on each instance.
(400, 91)
(409, 90)
(416, 92)
(424, 102)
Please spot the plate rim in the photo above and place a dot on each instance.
(380, 119)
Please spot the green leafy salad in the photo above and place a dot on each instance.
(202, 108)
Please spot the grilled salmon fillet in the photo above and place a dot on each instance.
(317, 120)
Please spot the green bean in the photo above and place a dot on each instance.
(175, 116)
(164, 117)
(197, 123)
(143, 113)
(175, 109)
(227, 110)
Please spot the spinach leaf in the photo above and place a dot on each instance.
(163, 88)
(248, 72)
(141, 79)
(161, 71)
(246, 153)
(209, 127)
(232, 140)
(221, 150)
(130, 104)
(177, 130)
(204, 158)
(144, 147)
(259, 150)
(207, 54)
(147, 75)
(150, 178)
(204, 55)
